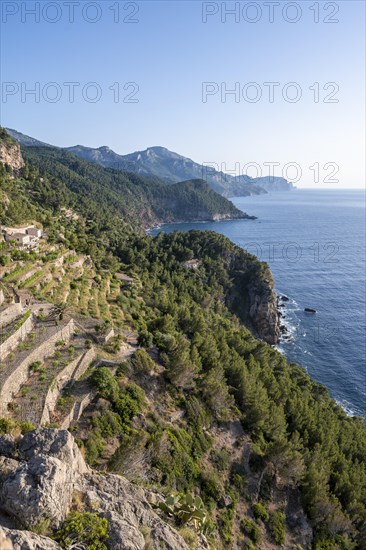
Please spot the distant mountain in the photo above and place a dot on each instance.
(169, 167)
(26, 140)
(138, 200)
(272, 184)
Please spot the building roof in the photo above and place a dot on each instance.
(191, 263)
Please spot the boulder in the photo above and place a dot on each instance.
(38, 490)
(42, 485)
(59, 444)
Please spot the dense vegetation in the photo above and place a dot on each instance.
(203, 364)
(219, 372)
(136, 199)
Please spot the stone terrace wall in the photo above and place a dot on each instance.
(88, 357)
(19, 374)
(72, 371)
(9, 314)
(77, 410)
(18, 336)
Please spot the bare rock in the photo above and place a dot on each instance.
(7, 446)
(39, 489)
(264, 313)
(59, 444)
(225, 501)
(42, 485)
(7, 466)
(26, 540)
(10, 155)
(127, 509)
(5, 542)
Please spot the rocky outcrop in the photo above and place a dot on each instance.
(263, 312)
(5, 542)
(251, 296)
(10, 154)
(13, 539)
(41, 486)
(39, 482)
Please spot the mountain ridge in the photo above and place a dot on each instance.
(138, 199)
(168, 166)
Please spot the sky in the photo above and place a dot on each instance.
(251, 87)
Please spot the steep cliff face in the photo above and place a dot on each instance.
(252, 296)
(263, 311)
(39, 477)
(10, 154)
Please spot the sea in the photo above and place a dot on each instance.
(314, 242)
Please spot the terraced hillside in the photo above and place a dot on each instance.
(66, 279)
(57, 312)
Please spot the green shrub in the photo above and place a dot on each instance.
(145, 339)
(35, 366)
(127, 405)
(250, 529)
(87, 530)
(189, 536)
(187, 509)
(94, 448)
(42, 528)
(260, 512)
(142, 362)
(109, 423)
(277, 524)
(211, 485)
(22, 320)
(8, 426)
(106, 384)
(221, 459)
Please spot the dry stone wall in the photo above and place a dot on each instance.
(77, 410)
(18, 336)
(10, 313)
(19, 374)
(72, 371)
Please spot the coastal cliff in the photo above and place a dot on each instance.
(250, 294)
(263, 311)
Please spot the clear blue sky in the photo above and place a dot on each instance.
(169, 52)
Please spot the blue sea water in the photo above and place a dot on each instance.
(314, 242)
